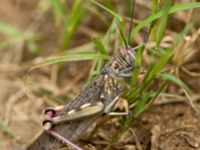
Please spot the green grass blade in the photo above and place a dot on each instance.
(160, 30)
(118, 17)
(153, 94)
(9, 30)
(96, 67)
(13, 35)
(153, 72)
(156, 68)
(98, 64)
(58, 9)
(175, 8)
(136, 71)
(99, 46)
(154, 6)
(6, 128)
(8, 42)
(76, 15)
(175, 80)
(70, 57)
(139, 108)
(111, 33)
(121, 26)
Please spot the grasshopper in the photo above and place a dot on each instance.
(96, 99)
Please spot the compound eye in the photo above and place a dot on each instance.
(122, 53)
(115, 66)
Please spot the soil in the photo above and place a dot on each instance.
(169, 124)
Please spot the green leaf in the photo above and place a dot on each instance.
(176, 80)
(108, 10)
(160, 30)
(70, 57)
(153, 72)
(9, 30)
(155, 6)
(140, 106)
(75, 16)
(33, 48)
(13, 34)
(99, 46)
(152, 94)
(8, 42)
(6, 128)
(136, 71)
(58, 9)
(175, 8)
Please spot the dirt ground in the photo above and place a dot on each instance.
(170, 124)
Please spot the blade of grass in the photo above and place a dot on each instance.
(153, 94)
(8, 42)
(12, 33)
(103, 51)
(97, 65)
(181, 84)
(173, 9)
(160, 30)
(175, 80)
(154, 8)
(77, 13)
(99, 46)
(111, 33)
(9, 30)
(118, 17)
(59, 10)
(161, 87)
(93, 72)
(121, 27)
(152, 73)
(14, 36)
(96, 13)
(69, 57)
(138, 62)
(6, 128)
(156, 68)
(139, 107)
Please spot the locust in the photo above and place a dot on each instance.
(97, 99)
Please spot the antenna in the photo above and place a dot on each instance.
(130, 27)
